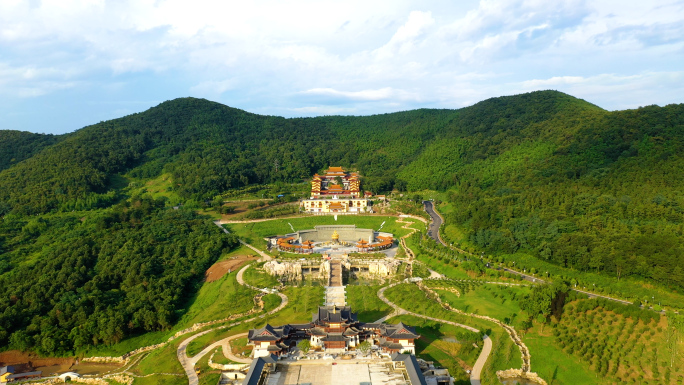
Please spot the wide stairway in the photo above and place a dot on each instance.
(335, 294)
(335, 272)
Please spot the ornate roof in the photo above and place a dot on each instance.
(268, 333)
(336, 314)
(399, 331)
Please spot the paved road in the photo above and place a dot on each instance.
(475, 374)
(486, 350)
(435, 224)
(186, 362)
(433, 233)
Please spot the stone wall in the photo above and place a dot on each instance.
(512, 374)
(292, 270)
(379, 267)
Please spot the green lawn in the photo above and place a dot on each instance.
(505, 354)
(442, 343)
(496, 301)
(255, 276)
(217, 300)
(303, 302)
(162, 360)
(254, 233)
(207, 375)
(161, 379)
(448, 269)
(195, 346)
(556, 366)
(271, 301)
(364, 301)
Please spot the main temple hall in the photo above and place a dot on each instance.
(336, 191)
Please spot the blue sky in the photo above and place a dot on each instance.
(65, 64)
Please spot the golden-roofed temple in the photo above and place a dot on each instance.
(336, 191)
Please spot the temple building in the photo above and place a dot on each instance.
(335, 192)
(333, 329)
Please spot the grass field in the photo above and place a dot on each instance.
(255, 276)
(498, 301)
(271, 301)
(217, 300)
(162, 360)
(364, 301)
(303, 302)
(195, 346)
(444, 344)
(554, 365)
(254, 233)
(505, 354)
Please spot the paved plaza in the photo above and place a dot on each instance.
(344, 373)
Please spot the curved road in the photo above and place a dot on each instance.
(433, 233)
(435, 224)
(486, 349)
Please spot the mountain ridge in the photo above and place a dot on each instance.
(511, 168)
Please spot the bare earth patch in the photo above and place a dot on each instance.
(27, 362)
(221, 268)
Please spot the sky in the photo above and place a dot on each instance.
(66, 64)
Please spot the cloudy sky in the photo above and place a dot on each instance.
(65, 64)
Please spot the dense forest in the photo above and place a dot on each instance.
(16, 146)
(96, 279)
(541, 173)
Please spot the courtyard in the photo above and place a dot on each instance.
(338, 372)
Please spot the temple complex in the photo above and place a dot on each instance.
(335, 192)
(333, 329)
(333, 238)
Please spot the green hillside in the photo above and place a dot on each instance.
(542, 174)
(16, 146)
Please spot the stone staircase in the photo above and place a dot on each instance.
(335, 295)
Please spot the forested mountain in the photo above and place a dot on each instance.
(541, 173)
(96, 279)
(16, 146)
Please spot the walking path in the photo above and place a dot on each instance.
(264, 256)
(486, 350)
(433, 233)
(227, 351)
(189, 363)
(476, 373)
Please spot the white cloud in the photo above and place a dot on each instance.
(645, 88)
(213, 88)
(407, 35)
(341, 56)
(364, 95)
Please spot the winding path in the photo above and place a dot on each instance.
(486, 349)
(189, 363)
(433, 233)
